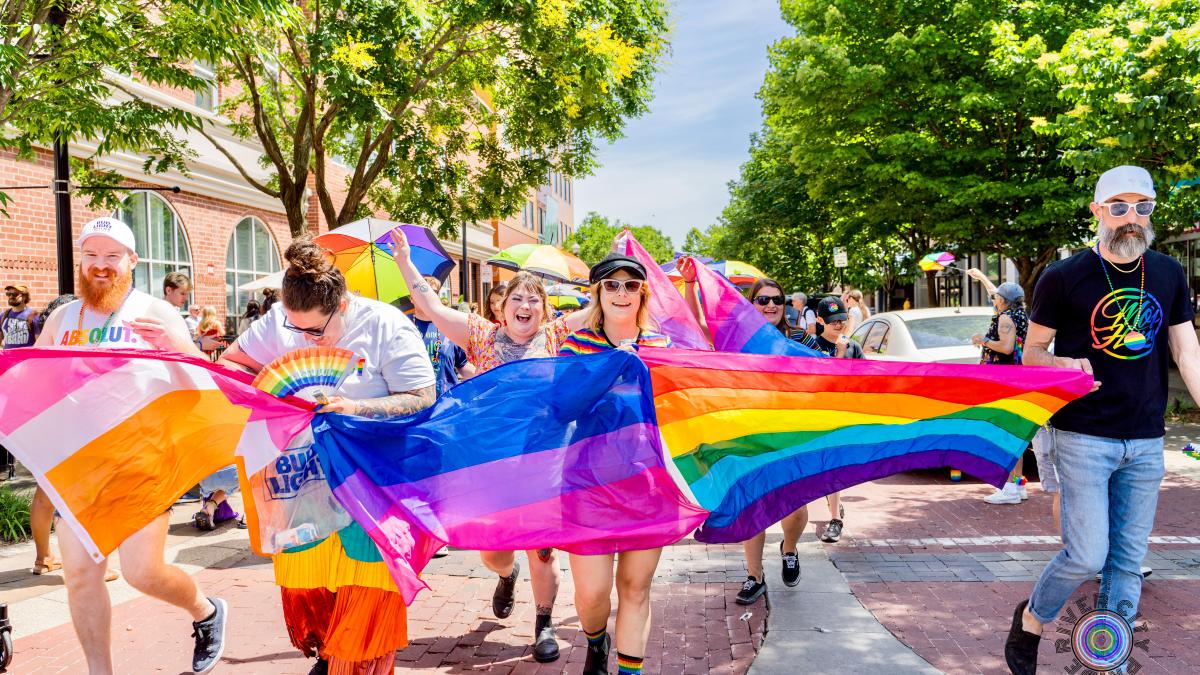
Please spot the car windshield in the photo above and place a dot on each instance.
(946, 331)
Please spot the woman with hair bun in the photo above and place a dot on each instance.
(339, 601)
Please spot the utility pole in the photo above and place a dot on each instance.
(464, 275)
(62, 188)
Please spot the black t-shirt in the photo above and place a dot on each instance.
(1106, 326)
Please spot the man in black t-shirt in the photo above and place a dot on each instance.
(1114, 311)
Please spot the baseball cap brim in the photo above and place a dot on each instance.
(840, 316)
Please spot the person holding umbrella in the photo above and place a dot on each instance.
(524, 334)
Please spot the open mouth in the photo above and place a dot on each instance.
(523, 318)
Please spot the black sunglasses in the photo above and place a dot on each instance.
(765, 300)
(315, 332)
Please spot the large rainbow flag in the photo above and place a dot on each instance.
(560, 453)
(115, 437)
(756, 437)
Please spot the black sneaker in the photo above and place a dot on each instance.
(545, 648)
(1021, 647)
(597, 658)
(791, 567)
(833, 531)
(502, 599)
(321, 667)
(210, 638)
(752, 589)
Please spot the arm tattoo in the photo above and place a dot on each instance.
(423, 288)
(396, 405)
(1006, 328)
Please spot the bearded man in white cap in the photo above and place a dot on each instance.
(1114, 311)
(111, 313)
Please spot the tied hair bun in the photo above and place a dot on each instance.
(308, 259)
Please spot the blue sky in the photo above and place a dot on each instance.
(671, 168)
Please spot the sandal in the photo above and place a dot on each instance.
(46, 566)
(112, 575)
(203, 521)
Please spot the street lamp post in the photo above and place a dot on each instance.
(464, 275)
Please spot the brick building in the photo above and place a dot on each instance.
(219, 229)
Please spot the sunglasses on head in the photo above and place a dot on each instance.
(1119, 209)
(315, 332)
(765, 300)
(615, 285)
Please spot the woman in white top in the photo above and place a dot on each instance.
(339, 601)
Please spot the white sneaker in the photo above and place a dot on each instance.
(1023, 491)
(1009, 494)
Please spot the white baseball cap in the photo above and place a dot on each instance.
(1122, 179)
(111, 228)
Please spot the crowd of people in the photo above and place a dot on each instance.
(1117, 311)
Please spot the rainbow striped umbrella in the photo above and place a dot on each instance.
(543, 260)
(740, 273)
(363, 250)
(935, 262)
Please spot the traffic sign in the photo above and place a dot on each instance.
(839, 258)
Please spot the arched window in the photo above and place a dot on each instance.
(162, 245)
(251, 254)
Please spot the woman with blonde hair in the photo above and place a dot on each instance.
(209, 327)
(857, 309)
(524, 333)
(618, 319)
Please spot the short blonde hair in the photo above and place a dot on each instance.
(595, 320)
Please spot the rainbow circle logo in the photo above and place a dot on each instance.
(1102, 640)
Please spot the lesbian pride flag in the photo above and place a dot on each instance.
(756, 437)
(561, 452)
(115, 437)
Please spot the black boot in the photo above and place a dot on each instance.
(545, 643)
(597, 658)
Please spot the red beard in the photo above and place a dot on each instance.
(104, 299)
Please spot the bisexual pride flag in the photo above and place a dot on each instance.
(560, 452)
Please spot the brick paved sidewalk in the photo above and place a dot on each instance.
(697, 628)
(943, 571)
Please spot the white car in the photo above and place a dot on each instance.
(934, 335)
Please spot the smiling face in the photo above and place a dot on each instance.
(524, 312)
(620, 307)
(105, 273)
(771, 311)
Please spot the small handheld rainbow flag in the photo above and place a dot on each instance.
(1191, 451)
(308, 373)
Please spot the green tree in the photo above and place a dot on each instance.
(703, 243)
(66, 69)
(595, 235)
(1131, 90)
(440, 112)
(913, 119)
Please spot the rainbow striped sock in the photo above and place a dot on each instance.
(596, 639)
(629, 665)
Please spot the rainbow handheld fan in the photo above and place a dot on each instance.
(311, 373)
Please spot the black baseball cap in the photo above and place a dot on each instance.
(613, 262)
(832, 309)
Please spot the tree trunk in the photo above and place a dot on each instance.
(296, 208)
(931, 289)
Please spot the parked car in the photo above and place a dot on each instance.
(934, 335)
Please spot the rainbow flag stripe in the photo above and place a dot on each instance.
(755, 437)
(116, 436)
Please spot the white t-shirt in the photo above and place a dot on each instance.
(68, 330)
(396, 359)
(805, 319)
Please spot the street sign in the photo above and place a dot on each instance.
(839, 258)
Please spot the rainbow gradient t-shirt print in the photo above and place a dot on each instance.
(1124, 323)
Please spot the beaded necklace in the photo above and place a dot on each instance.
(104, 328)
(1134, 339)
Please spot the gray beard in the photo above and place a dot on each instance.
(1127, 247)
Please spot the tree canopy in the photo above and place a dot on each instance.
(595, 235)
(438, 112)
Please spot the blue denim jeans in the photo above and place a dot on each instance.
(1109, 496)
